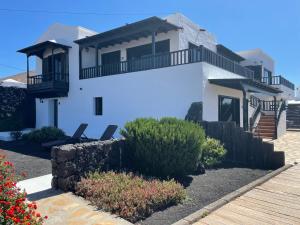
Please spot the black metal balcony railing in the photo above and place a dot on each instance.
(181, 57)
(50, 77)
(277, 80)
(49, 85)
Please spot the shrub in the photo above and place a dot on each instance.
(14, 209)
(213, 152)
(44, 134)
(129, 196)
(16, 135)
(166, 147)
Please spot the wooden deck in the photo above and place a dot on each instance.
(275, 202)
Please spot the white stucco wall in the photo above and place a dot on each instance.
(211, 92)
(281, 127)
(258, 57)
(191, 32)
(153, 93)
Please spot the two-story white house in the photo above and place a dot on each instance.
(151, 68)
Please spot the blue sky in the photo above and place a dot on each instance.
(272, 25)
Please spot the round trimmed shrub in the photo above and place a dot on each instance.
(213, 152)
(44, 134)
(164, 148)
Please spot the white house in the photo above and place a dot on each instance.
(151, 68)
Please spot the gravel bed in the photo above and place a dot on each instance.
(203, 190)
(28, 158)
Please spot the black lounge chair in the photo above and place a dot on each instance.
(77, 136)
(109, 132)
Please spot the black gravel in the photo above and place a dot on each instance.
(28, 158)
(203, 190)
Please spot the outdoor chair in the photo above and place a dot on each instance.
(109, 132)
(77, 137)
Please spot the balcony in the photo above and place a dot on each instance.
(181, 57)
(278, 80)
(48, 85)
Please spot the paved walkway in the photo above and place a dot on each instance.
(276, 201)
(290, 144)
(67, 209)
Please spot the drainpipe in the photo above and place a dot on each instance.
(153, 48)
(245, 111)
(275, 115)
(27, 69)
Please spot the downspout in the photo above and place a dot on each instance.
(275, 116)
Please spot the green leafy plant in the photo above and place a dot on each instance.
(132, 197)
(44, 134)
(166, 147)
(213, 152)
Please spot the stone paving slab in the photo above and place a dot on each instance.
(290, 144)
(68, 209)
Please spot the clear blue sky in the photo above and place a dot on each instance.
(273, 25)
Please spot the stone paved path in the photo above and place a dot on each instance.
(276, 201)
(290, 144)
(67, 209)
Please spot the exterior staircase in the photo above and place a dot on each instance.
(293, 116)
(266, 127)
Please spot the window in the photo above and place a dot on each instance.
(98, 106)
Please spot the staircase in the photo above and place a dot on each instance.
(293, 116)
(266, 127)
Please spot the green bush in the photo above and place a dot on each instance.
(213, 152)
(166, 147)
(132, 197)
(44, 134)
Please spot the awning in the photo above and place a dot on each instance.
(248, 85)
(133, 31)
(38, 49)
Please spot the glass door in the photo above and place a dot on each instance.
(229, 109)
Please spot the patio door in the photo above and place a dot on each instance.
(229, 109)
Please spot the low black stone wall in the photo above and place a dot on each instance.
(243, 147)
(70, 162)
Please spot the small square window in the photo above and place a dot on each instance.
(98, 106)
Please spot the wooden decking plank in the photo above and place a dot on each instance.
(287, 182)
(214, 219)
(290, 195)
(238, 217)
(258, 215)
(266, 210)
(270, 197)
(282, 188)
(270, 207)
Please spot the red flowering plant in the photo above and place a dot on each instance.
(14, 208)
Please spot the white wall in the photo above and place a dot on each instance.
(258, 57)
(211, 92)
(153, 93)
(191, 32)
(281, 127)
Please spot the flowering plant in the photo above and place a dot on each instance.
(14, 208)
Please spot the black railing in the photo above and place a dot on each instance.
(277, 80)
(46, 78)
(254, 101)
(186, 56)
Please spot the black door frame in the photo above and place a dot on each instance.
(238, 122)
(55, 112)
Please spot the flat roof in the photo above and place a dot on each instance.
(39, 48)
(143, 28)
(227, 52)
(238, 85)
